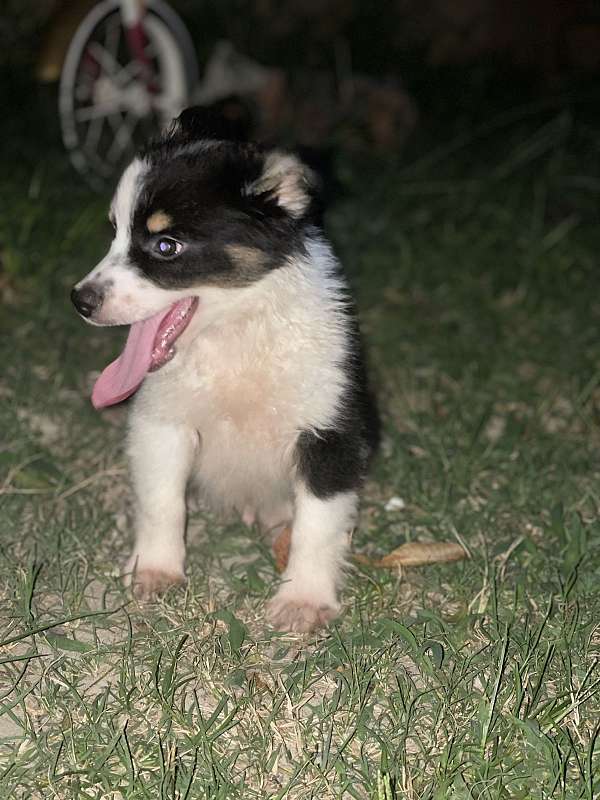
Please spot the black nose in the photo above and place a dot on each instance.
(86, 300)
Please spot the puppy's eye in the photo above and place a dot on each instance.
(167, 247)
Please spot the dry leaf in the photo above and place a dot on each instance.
(281, 549)
(414, 554)
(411, 554)
(259, 682)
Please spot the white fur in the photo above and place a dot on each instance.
(124, 201)
(255, 367)
(308, 595)
(128, 297)
(160, 519)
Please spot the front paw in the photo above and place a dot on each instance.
(148, 581)
(300, 614)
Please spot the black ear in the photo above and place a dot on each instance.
(199, 122)
(288, 181)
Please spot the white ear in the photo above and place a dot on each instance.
(288, 180)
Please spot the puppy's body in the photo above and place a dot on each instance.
(264, 405)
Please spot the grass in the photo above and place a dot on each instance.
(475, 266)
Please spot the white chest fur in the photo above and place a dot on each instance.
(256, 366)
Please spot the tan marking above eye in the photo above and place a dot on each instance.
(158, 222)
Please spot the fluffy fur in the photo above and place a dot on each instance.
(265, 405)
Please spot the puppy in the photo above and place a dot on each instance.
(243, 354)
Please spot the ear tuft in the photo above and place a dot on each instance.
(287, 180)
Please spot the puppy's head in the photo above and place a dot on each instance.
(196, 210)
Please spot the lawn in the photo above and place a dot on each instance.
(474, 258)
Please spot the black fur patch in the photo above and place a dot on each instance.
(198, 122)
(203, 192)
(202, 186)
(331, 461)
(336, 459)
(199, 176)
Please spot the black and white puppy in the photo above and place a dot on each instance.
(244, 355)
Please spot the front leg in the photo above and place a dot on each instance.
(308, 595)
(161, 457)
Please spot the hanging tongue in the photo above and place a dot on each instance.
(149, 346)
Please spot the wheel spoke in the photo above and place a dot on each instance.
(123, 138)
(95, 112)
(121, 74)
(93, 134)
(109, 64)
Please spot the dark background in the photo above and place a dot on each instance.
(377, 91)
(411, 63)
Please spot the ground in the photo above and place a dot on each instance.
(474, 261)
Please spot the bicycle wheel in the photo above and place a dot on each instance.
(107, 105)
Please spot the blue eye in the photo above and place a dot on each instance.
(167, 247)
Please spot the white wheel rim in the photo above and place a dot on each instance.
(121, 102)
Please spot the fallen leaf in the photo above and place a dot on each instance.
(415, 554)
(281, 549)
(410, 554)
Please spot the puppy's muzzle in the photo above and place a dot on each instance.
(87, 299)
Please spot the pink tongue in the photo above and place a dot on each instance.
(149, 346)
(121, 378)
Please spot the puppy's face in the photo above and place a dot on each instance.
(191, 214)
